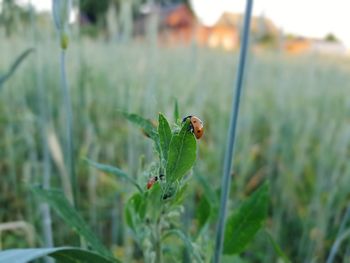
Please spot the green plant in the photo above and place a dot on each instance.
(153, 215)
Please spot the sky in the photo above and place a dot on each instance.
(312, 18)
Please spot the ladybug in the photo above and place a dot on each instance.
(196, 126)
(153, 180)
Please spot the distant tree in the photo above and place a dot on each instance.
(11, 16)
(330, 37)
(94, 11)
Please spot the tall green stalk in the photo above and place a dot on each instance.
(43, 120)
(61, 11)
(226, 179)
(67, 104)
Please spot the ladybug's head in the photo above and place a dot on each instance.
(187, 117)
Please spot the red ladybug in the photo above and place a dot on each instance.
(196, 126)
(153, 180)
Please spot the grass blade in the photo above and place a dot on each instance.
(115, 171)
(66, 211)
(63, 254)
(277, 248)
(226, 179)
(14, 66)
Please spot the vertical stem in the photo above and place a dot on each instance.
(44, 207)
(158, 245)
(226, 179)
(69, 128)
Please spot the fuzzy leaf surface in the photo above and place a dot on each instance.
(165, 135)
(182, 154)
(242, 226)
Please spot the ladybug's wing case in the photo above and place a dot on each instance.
(198, 133)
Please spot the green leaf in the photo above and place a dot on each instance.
(232, 259)
(66, 211)
(154, 199)
(146, 125)
(115, 171)
(242, 226)
(203, 211)
(143, 123)
(187, 241)
(62, 254)
(131, 208)
(14, 66)
(182, 154)
(176, 111)
(277, 248)
(165, 135)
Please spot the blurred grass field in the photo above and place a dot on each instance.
(294, 130)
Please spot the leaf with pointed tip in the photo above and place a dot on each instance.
(182, 154)
(66, 211)
(14, 66)
(165, 135)
(62, 254)
(176, 111)
(115, 171)
(146, 125)
(242, 226)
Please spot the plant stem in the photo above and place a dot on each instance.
(340, 236)
(69, 128)
(226, 179)
(158, 244)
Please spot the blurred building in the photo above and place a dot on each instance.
(302, 45)
(178, 25)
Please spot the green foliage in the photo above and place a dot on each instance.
(243, 224)
(283, 138)
(186, 240)
(330, 37)
(93, 10)
(115, 171)
(135, 209)
(203, 211)
(146, 125)
(176, 111)
(62, 254)
(65, 210)
(165, 135)
(182, 154)
(277, 248)
(14, 66)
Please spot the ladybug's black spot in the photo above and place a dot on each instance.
(198, 131)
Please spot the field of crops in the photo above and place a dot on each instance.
(293, 132)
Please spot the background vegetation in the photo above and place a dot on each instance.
(294, 131)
